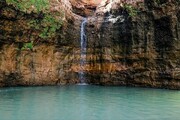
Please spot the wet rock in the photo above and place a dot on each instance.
(140, 50)
(144, 47)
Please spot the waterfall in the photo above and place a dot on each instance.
(83, 51)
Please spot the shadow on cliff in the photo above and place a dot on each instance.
(116, 36)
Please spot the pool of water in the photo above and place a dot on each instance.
(88, 103)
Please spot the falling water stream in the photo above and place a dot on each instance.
(83, 51)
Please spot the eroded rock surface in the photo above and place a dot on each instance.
(140, 50)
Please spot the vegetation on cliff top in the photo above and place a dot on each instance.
(30, 5)
(48, 23)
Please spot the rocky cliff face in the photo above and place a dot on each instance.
(47, 61)
(123, 48)
(141, 50)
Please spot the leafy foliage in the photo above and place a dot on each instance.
(30, 5)
(131, 10)
(27, 46)
(49, 22)
(48, 25)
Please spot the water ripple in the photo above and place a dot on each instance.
(88, 102)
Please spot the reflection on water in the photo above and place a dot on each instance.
(88, 103)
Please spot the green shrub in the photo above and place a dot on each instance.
(30, 5)
(47, 26)
(130, 9)
(27, 46)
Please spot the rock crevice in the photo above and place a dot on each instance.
(122, 48)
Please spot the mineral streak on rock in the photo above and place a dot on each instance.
(139, 50)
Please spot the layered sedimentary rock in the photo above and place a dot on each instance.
(48, 63)
(141, 50)
(123, 49)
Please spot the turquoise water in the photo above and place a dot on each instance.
(88, 103)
